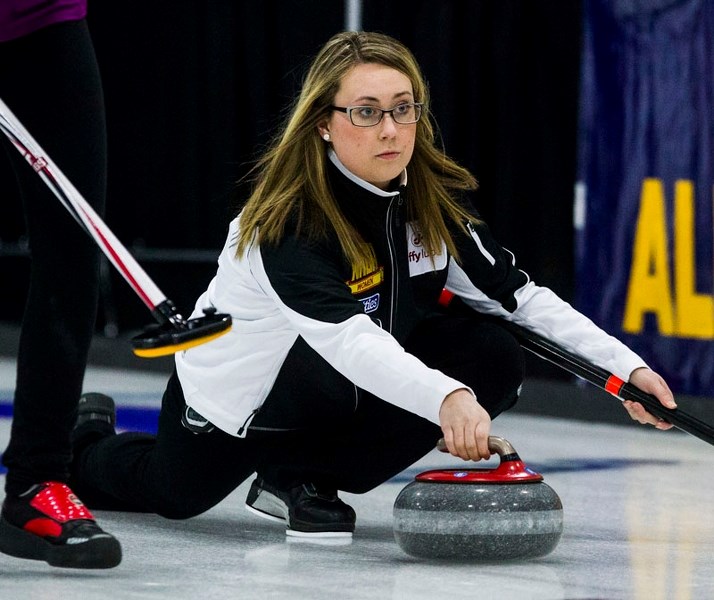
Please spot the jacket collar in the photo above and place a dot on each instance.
(361, 182)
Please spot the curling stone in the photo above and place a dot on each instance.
(485, 515)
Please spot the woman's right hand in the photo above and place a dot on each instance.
(466, 425)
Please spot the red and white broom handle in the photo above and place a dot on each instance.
(85, 215)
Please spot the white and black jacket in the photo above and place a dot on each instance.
(299, 288)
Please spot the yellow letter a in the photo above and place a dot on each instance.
(649, 287)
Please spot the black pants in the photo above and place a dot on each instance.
(330, 434)
(50, 80)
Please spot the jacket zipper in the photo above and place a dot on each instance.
(392, 258)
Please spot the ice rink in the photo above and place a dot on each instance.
(637, 513)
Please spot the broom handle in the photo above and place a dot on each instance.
(161, 307)
(612, 384)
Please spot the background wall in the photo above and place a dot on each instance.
(194, 89)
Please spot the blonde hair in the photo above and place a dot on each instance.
(291, 177)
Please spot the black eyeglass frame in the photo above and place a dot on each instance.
(348, 110)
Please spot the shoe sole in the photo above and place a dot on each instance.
(94, 406)
(101, 552)
(318, 534)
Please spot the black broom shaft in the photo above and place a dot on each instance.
(601, 378)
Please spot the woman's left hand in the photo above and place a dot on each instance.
(650, 382)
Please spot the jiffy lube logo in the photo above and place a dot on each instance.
(420, 261)
(416, 251)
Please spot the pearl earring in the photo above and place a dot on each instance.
(326, 137)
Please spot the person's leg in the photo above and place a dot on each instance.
(307, 401)
(51, 82)
(176, 473)
(382, 439)
(308, 393)
(343, 441)
(475, 351)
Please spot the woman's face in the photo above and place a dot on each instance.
(379, 153)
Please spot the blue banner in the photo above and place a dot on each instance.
(643, 204)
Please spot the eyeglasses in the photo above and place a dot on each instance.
(369, 116)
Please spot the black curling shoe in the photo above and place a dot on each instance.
(307, 511)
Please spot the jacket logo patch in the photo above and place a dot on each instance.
(357, 286)
(420, 261)
(371, 304)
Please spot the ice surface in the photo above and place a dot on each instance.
(637, 524)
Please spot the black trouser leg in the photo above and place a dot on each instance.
(379, 440)
(176, 473)
(479, 353)
(378, 443)
(51, 82)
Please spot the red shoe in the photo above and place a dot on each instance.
(48, 522)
